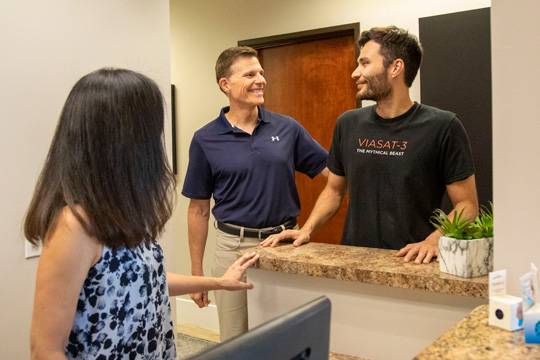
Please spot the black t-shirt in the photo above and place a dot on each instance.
(397, 170)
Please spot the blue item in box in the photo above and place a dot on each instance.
(532, 325)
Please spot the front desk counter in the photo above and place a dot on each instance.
(382, 308)
(473, 339)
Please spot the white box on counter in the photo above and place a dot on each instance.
(505, 311)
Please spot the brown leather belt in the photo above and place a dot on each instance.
(255, 233)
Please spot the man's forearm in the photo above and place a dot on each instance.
(464, 198)
(324, 173)
(326, 206)
(469, 208)
(197, 234)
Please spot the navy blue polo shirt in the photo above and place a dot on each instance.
(252, 177)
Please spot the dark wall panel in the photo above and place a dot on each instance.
(456, 76)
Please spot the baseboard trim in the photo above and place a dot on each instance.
(188, 314)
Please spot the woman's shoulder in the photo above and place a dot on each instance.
(68, 231)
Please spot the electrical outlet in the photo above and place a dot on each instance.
(31, 250)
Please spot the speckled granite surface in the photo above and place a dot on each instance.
(368, 265)
(472, 338)
(334, 356)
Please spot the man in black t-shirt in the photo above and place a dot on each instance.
(396, 159)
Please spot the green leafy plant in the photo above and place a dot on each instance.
(457, 228)
(462, 228)
(483, 224)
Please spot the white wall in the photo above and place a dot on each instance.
(201, 29)
(516, 125)
(368, 320)
(46, 47)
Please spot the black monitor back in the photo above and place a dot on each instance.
(301, 334)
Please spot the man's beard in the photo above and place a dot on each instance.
(378, 88)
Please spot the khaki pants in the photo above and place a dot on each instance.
(231, 305)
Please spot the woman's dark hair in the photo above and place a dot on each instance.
(396, 43)
(107, 158)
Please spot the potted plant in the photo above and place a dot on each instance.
(466, 247)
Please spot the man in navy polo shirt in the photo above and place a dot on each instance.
(246, 160)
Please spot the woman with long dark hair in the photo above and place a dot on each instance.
(102, 199)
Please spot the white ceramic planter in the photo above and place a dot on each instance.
(466, 258)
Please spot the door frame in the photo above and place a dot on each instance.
(307, 35)
(303, 36)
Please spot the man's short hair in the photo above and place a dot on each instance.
(396, 43)
(228, 57)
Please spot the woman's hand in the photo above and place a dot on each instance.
(234, 277)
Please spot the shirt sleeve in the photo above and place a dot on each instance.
(198, 183)
(456, 154)
(310, 157)
(335, 160)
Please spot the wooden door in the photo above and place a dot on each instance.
(311, 81)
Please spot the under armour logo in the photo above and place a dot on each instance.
(275, 138)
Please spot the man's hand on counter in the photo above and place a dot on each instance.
(299, 237)
(421, 252)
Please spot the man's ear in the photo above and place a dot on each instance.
(397, 67)
(224, 85)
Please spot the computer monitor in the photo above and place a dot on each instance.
(301, 334)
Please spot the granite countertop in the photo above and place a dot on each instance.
(336, 356)
(472, 338)
(368, 265)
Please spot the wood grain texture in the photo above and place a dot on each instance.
(311, 81)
